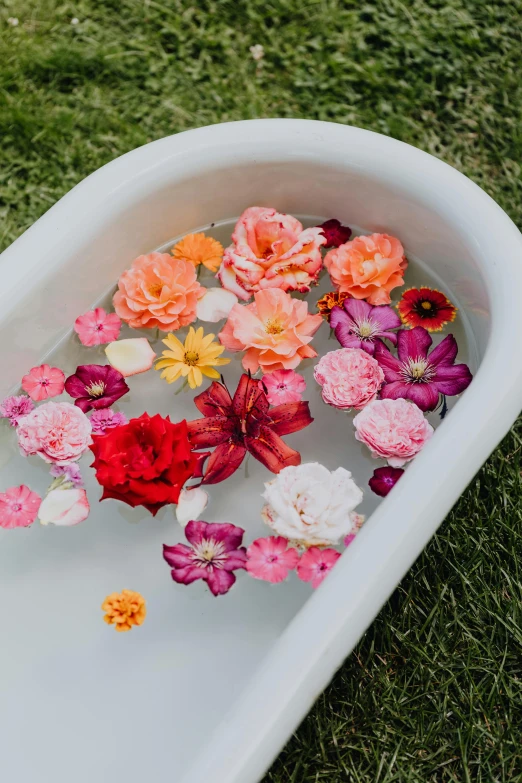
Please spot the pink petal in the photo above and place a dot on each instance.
(64, 507)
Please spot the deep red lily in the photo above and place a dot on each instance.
(245, 423)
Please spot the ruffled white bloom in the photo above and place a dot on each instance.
(130, 356)
(64, 507)
(191, 504)
(215, 305)
(311, 505)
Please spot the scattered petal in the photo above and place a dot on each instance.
(191, 504)
(215, 305)
(131, 356)
(64, 507)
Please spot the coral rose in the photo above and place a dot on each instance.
(158, 291)
(271, 250)
(275, 330)
(57, 431)
(394, 430)
(368, 267)
(350, 378)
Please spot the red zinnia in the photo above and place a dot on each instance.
(426, 307)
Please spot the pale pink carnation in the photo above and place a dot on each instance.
(97, 327)
(283, 386)
(57, 431)
(106, 419)
(13, 408)
(315, 564)
(18, 507)
(71, 474)
(395, 430)
(270, 559)
(350, 378)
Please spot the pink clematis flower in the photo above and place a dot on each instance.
(97, 327)
(283, 386)
(18, 507)
(43, 382)
(95, 386)
(213, 554)
(15, 407)
(270, 559)
(359, 325)
(315, 564)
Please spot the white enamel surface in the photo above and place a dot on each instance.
(94, 707)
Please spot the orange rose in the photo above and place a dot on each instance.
(368, 267)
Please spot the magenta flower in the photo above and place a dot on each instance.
(335, 233)
(18, 507)
(215, 552)
(421, 376)
(13, 408)
(283, 386)
(43, 382)
(270, 559)
(95, 386)
(97, 327)
(106, 419)
(384, 480)
(315, 564)
(359, 325)
(71, 474)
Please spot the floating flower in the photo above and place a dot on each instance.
(311, 505)
(95, 386)
(315, 564)
(275, 330)
(18, 507)
(384, 480)
(421, 376)
(145, 462)
(335, 233)
(368, 267)
(97, 327)
(395, 430)
(283, 386)
(69, 474)
(57, 431)
(350, 378)
(270, 559)
(64, 507)
(14, 407)
(426, 307)
(215, 305)
(243, 424)
(131, 356)
(158, 292)
(359, 325)
(199, 249)
(124, 610)
(192, 360)
(106, 419)
(215, 552)
(43, 382)
(332, 299)
(191, 504)
(271, 250)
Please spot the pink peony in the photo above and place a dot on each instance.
(106, 419)
(395, 430)
(275, 330)
(18, 507)
(13, 408)
(283, 386)
(57, 431)
(97, 327)
(271, 250)
(315, 564)
(270, 559)
(350, 378)
(43, 382)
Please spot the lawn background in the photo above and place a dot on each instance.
(433, 690)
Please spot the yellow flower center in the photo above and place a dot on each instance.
(273, 326)
(155, 289)
(426, 305)
(191, 358)
(96, 389)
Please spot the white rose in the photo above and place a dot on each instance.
(311, 505)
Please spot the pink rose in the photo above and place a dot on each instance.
(57, 431)
(395, 430)
(350, 378)
(271, 250)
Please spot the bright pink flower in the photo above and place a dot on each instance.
(283, 386)
(13, 408)
(350, 378)
(395, 430)
(18, 507)
(106, 419)
(315, 564)
(349, 538)
(57, 431)
(43, 382)
(270, 559)
(97, 327)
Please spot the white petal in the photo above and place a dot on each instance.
(215, 305)
(130, 357)
(64, 507)
(191, 504)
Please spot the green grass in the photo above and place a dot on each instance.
(433, 691)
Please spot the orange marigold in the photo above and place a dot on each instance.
(124, 609)
(330, 300)
(199, 249)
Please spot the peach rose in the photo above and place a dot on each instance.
(158, 291)
(275, 330)
(271, 250)
(368, 267)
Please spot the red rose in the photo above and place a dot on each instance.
(145, 462)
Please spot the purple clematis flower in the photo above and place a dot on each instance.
(95, 386)
(419, 376)
(384, 480)
(358, 325)
(215, 552)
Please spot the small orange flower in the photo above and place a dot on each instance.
(124, 609)
(199, 249)
(330, 300)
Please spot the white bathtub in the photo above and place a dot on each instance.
(77, 706)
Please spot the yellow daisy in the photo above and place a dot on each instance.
(196, 358)
(200, 249)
